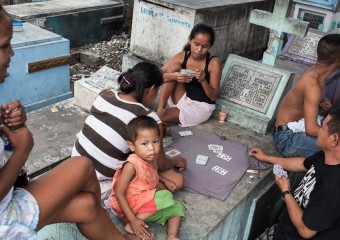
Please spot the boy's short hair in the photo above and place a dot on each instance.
(334, 123)
(328, 49)
(140, 123)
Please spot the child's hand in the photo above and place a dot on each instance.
(170, 185)
(258, 153)
(139, 227)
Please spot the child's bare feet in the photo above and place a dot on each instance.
(172, 237)
(128, 228)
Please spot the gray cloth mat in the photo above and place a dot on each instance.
(202, 179)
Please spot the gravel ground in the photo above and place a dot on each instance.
(111, 51)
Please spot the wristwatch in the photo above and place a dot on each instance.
(283, 194)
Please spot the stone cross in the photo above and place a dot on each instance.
(278, 23)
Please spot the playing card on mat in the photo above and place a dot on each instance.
(201, 159)
(224, 156)
(172, 153)
(219, 170)
(185, 133)
(215, 147)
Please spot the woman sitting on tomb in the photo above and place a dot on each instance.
(191, 81)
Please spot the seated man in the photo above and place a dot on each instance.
(304, 100)
(313, 210)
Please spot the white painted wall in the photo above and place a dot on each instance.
(162, 30)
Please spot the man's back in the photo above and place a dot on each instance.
(302, 100)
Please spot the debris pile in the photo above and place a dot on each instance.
(88, 59)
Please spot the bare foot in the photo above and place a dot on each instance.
(172, 237)
(128, 228)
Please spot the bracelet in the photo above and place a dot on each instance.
(283, 194)
(200, 81)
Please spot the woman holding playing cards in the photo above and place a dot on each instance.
(191, 81)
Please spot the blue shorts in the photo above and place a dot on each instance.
(20, 219)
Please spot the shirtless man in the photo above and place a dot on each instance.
(304, 101)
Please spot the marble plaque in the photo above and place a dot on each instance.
(251, 91)
(249, 86)
(313, 19)
(86, 89)
(303, 49)
(104, 77)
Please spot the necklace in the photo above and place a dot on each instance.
(316, 69)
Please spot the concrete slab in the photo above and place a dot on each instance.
(207, 218)
(87, 89)
(54, 129)
(80, 21)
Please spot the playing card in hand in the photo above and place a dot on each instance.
(278, 171)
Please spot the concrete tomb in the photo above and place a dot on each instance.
(82, 22)
(251, 91)
(303, 49)
(318, 12)
(278, 23)
(160, 28)
(39, 69)
(86, 89)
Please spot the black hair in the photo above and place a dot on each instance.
(334, 123)
(140, 123)
(201, 28)
(143, 75)
(328, 49)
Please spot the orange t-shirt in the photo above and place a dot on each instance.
(140, 190)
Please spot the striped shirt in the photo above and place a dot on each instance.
(103, 137)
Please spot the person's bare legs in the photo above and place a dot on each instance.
(70, 193)
(174, 90)
(173, 226)
(142, 216)
(171, 175)
(166, 90)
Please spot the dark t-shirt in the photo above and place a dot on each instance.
(319, 196)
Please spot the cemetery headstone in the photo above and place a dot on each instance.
(303, 49)
(318, 12)
(40, 66)
(86, 89)
(278, 23)
(251, 91)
